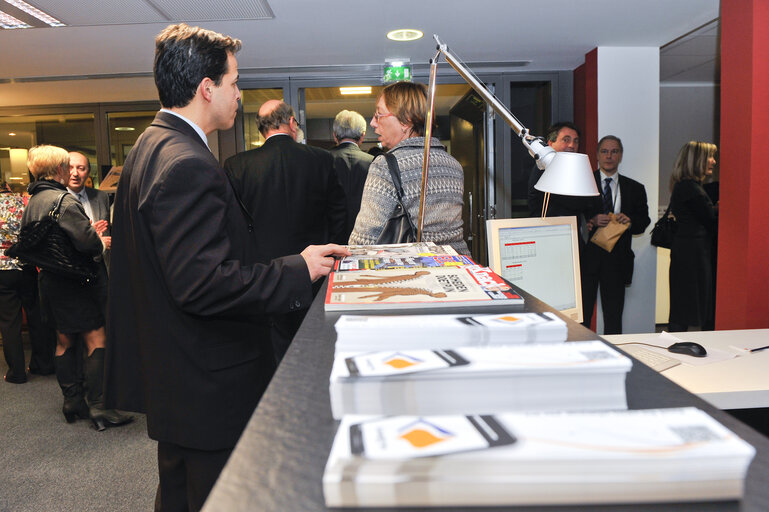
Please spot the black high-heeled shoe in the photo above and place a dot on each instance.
(103, 418)
(75, 408)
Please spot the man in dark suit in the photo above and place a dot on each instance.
(293, 195)
(563, 136)
(188, 343)
(95, 202)
(626, 198)
(350, 162)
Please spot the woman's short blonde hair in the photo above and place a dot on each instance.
(407, 101)
(692, 162)
(43, 161)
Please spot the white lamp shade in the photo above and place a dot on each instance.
(568, 174)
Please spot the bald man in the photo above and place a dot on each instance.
(293, 194)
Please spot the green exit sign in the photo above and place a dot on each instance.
(397, 73)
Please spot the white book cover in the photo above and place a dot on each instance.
(656, 455)
(471, 285)
(371, 333)
(584, 375)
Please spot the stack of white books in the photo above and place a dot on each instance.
(658, 455)
(360, 333)
(576, 376)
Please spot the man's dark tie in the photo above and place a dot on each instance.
(608, 204)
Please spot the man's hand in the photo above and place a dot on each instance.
(100, 226)
(107, 241)
(600, 220)
(320, 258)
(622, 218)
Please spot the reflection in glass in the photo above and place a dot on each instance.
(124, 129)
(73, 132)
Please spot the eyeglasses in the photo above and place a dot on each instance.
(378, 116)
(610, 151)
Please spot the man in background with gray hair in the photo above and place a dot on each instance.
(350, 162)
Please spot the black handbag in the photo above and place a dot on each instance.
(44, 244)
(399, 228)
(664, 230)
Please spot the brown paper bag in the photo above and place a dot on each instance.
(606, 237)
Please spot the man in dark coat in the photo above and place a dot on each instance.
(350, 162)
(613, 271)
(293, 195)
(188, 343)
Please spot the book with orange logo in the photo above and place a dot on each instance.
(369, 333)
(527, 459)
(576, 376)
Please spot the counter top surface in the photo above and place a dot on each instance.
(278, 463)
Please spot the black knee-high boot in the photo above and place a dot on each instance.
(66, 373)
(94, 376)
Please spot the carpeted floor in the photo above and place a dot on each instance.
(49, 465)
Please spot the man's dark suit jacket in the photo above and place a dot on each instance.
(351, 164)
(293, 194)
(635, 206)
(99, 205)
(187, 340)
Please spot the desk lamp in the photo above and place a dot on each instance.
(565, 173)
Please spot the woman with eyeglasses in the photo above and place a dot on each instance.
(399, 121)
(691, 276)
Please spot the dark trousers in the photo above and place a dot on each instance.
(609, 276)
(18, 289)
(186, 476)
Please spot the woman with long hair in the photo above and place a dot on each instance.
(75, 306)
(691, 276)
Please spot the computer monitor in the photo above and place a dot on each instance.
(540, 256)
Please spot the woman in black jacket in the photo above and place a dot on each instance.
(74, 305)
(691, 276)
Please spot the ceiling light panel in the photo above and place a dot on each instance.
(85, 13)
(216, 11)
(8, 21)
(37, 13)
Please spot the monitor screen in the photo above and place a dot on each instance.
(540, 256)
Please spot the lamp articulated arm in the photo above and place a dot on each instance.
(541, 152)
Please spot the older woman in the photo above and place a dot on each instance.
(399, 121)
(691, 275)
(74, 306)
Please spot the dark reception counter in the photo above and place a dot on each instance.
(278, 463)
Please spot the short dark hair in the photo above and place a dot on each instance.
(610, 137)
(278, 116)
(553, 131)
(184, 56)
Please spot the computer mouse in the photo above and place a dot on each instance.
(688, 348)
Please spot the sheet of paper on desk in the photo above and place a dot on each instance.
(665, 339)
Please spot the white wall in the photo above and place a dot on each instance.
(628, 107)
(101, 90)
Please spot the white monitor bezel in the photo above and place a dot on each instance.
(493, 227)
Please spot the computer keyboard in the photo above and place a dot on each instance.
(651, 359)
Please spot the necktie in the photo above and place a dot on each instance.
(86, 206)
(608, 204)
